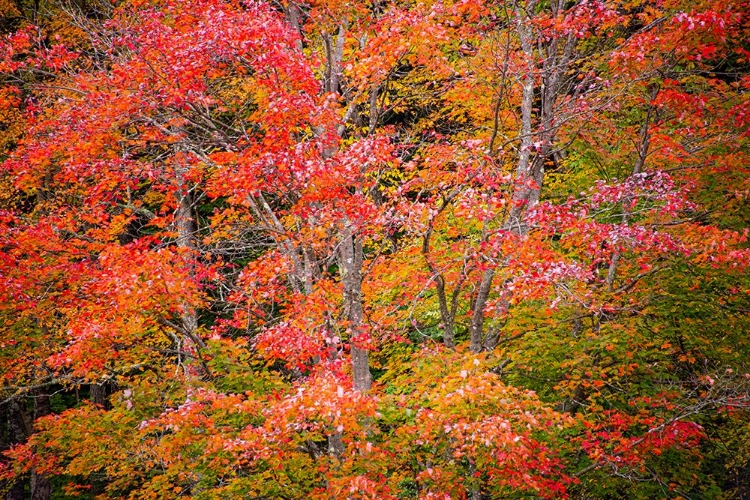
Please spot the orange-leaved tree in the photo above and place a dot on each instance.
(329, 249)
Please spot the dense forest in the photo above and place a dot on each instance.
(382, 249)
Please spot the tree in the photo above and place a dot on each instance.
(385, 250)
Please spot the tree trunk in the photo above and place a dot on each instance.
(41, 488)
(535, 147)
(644, 143)
(99, 394)
(350, 265)
(477, 318)
(526, 191)
(185, 233)
(350, 254)
(16, 435)
(189, 342)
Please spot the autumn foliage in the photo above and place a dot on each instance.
(335, 249)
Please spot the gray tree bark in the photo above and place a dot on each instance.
(350, 259)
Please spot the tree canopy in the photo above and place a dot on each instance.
(383, 249)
